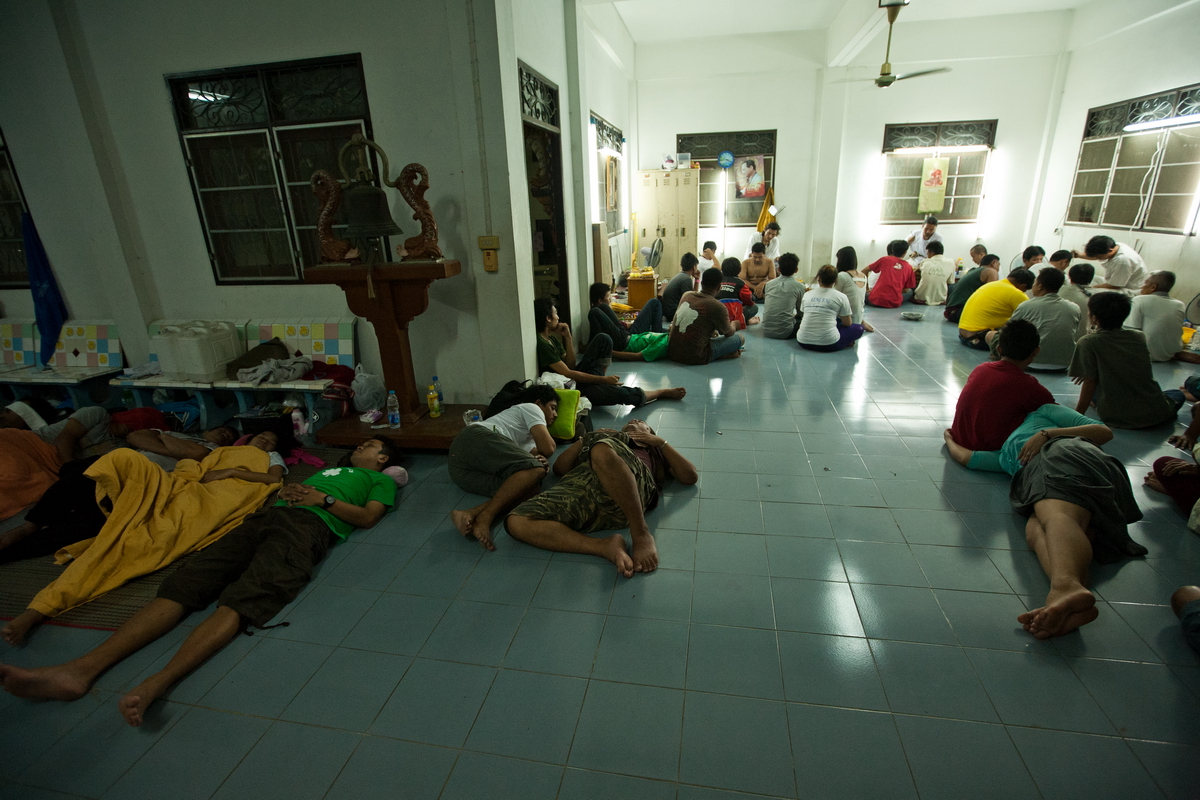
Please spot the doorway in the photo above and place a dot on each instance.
(544, 178)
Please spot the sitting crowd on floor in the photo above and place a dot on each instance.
(113, 503)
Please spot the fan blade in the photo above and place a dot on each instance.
(922, 72)
(856, 80)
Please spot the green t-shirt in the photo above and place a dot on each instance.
(352, 485)
(549, 351)
(1127, 396)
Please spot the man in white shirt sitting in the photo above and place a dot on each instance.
(1124, 269)
(1032, 256)
(708, 256)
(770, 240)
(1160, 317)
(937, 272)
(919, 239)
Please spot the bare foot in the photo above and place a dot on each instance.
(48, 683)
(1062, 614)
(645, 553)
(481, 529)
(15, 632)
(133, 707)
(868, 327)
(614, 551)
(1152, 482)
(462, 521)
(754, 321)
(735, 354)
(677, 393)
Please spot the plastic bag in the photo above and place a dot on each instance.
(369, 392)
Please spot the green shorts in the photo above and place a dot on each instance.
(481, 460)
(580, 502)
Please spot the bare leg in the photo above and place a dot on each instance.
(1057, 534)
(477, 521)
(665, 394)
(15, 631)
(550, 535)
(72, 680)
(959, 453)
(1188, 356)
(22, 531)
(620, 485)
(1182, 596)
(621, 355)
(1152, 482)
(208, 637)
(1187, 440)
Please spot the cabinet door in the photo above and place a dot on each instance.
(667, 187)
(687, 211)
(645, 205)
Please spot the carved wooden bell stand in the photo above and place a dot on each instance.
(401, 294)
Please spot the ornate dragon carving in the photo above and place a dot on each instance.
(413, 183)
(329, 195)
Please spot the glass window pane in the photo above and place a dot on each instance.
(1130, 181)
(1183, 145)
(220, 101)
(1178, 179)
(242, 209)
(1137, 149)
(1121, 210)
(968, 186)
(326, 91)
(1091, 182)
(900, 210)
(972, 163)
(710, 192)
(256, 254)
(743, 213)
(710, 215)
(1170, 212)
(1098, 155)
(901, 187)
(13, 274)
(1084, 209)
(960, 208)
(904, 166)
(242, 159)
(306, 150)
(8, 181)
(10, 220)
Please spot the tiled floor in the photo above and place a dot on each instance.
(834, 617)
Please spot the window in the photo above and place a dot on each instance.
(13, 271)
(967, 145)
(721, 202)
(252, 137)
(610, 145)
(1139, 164)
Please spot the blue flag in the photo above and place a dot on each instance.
(48, 304)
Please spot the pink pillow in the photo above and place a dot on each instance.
(245, 440)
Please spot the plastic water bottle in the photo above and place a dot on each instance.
(437, 387)
(435, 408)
(393, 409)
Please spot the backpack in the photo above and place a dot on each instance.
(504, 397)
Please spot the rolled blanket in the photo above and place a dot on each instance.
(276, 371)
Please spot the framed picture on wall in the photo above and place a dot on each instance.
(748, 175)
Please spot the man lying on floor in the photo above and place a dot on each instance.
(609, 481)
(252, 573)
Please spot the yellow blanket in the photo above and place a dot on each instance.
(156, 518)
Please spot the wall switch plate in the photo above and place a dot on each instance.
(489, 242)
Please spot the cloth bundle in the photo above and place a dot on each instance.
(275, 370)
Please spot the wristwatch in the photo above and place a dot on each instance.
(328, 501)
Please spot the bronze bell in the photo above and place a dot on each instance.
(367, 213)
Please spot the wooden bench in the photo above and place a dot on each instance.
(86, 351)
(325, 341)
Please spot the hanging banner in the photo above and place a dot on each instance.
(932, 198)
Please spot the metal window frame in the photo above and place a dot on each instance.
(12, 168)
(174, 80)
(937, 153)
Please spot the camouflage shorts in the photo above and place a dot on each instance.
(579, 501)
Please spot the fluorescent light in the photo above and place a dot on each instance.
(969, 148)
(608, 151)
(206, 97)
(1170, 122)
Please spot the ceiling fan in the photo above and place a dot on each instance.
(886, 76)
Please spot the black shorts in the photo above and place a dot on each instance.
(975, 341)
(257, 568)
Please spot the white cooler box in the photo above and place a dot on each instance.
(197, 351)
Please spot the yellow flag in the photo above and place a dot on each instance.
(765, 217)
(932, 198)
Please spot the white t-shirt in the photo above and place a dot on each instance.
(822, 309)
(516, 422)
(1126, 269)
(918, 245)
(936, 273)
(94, 420)
(707, 264)
(1160, 317)
(772, 246)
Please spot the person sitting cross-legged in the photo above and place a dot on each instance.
(936, 275)
(700, 318)
(734, 288)
(1057, 321)
(609, 481)
(783, 300)
(895, 277)
(602, 319)
(984, 271)
(992, 305)
(826, 325)
(252, 573)
(1160, 316)
(1112, 367)
(503, 457)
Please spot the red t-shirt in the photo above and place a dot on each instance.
(997, 398)
(895, 275)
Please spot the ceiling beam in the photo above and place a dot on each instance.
(851, 30)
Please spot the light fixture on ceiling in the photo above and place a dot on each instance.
(1170, 122)
(966, 148)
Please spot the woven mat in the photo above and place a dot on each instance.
(21, 580)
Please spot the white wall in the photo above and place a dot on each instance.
(424, 106)
(704, 85)
(1155, 56)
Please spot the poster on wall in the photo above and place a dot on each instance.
(932, 198)
(748, 175)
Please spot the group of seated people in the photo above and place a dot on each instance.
(253, 560)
